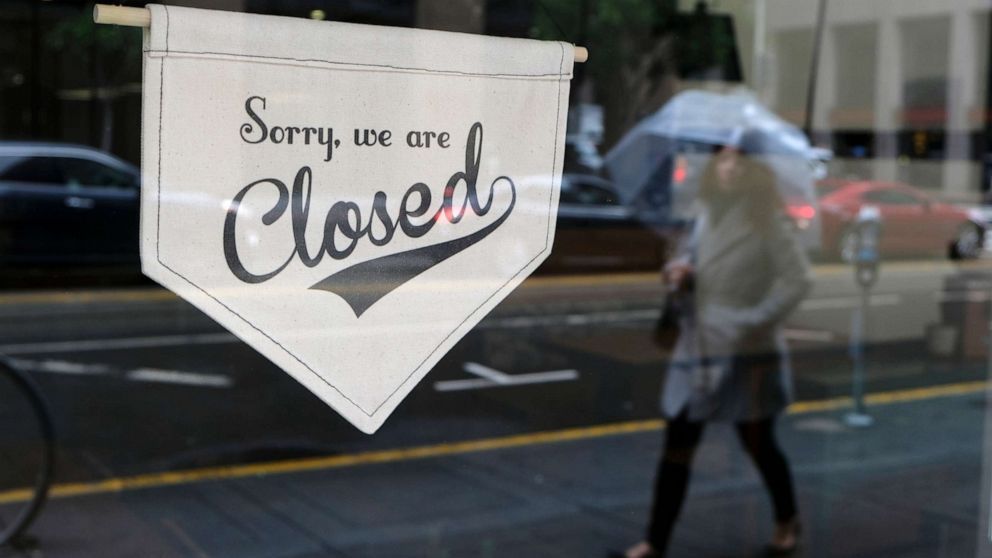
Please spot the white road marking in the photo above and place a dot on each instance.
(136, 375)
(489, 377)
(61, 367)
(117, 344)
(579, 319)
(462, 385)
(962, 296)
(571, 319)
(850, 302)
(490, 374)
(544, 377)
(178, 377)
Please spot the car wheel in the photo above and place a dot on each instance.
(847, 245)
(967, 244)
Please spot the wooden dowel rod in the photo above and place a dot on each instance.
(141, 17)
(120, 15)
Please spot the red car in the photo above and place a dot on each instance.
(913, 222)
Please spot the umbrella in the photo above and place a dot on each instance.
(641, 164)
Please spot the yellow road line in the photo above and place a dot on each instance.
(153, 480)
(88, 297)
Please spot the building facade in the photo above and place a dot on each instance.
(900, 91)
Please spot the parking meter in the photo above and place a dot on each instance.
(868, 232)
(868, 227)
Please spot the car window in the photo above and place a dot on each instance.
(84, 172)
(37, 170)
(890, 197)
(586, 193)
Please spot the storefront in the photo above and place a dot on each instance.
(345, 283)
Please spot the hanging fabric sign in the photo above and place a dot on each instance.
(349, 200)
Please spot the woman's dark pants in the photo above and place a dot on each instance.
(682, 439)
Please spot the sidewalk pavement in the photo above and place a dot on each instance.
(907, 487)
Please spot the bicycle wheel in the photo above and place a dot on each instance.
(27, 444)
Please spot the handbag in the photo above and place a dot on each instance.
(666, 329)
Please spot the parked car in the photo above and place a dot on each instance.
(66, 204)
(595, 231)
(913, 222)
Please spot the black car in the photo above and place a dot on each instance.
(66, 204)
(596, 232)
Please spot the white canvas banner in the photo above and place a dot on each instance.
(349, 200)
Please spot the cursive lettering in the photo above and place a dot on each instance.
(346, 221)
(280, 134)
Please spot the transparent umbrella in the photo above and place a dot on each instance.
(642, 163)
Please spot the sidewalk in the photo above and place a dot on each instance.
(907, 487)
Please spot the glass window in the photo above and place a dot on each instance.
(37, 170)
(583, 192)
(83, 172)
(770, 272)
(891, 197)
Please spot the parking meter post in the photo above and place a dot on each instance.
(865, 274)
(859, 416)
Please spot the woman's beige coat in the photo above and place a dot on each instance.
(730, 361)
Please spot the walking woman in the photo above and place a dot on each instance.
(743, 273)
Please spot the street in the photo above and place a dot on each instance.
(142, 384)
(141, 381)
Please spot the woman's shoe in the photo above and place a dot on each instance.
(786, 539)
(640, 550)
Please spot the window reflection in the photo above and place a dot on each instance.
(874, 163)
